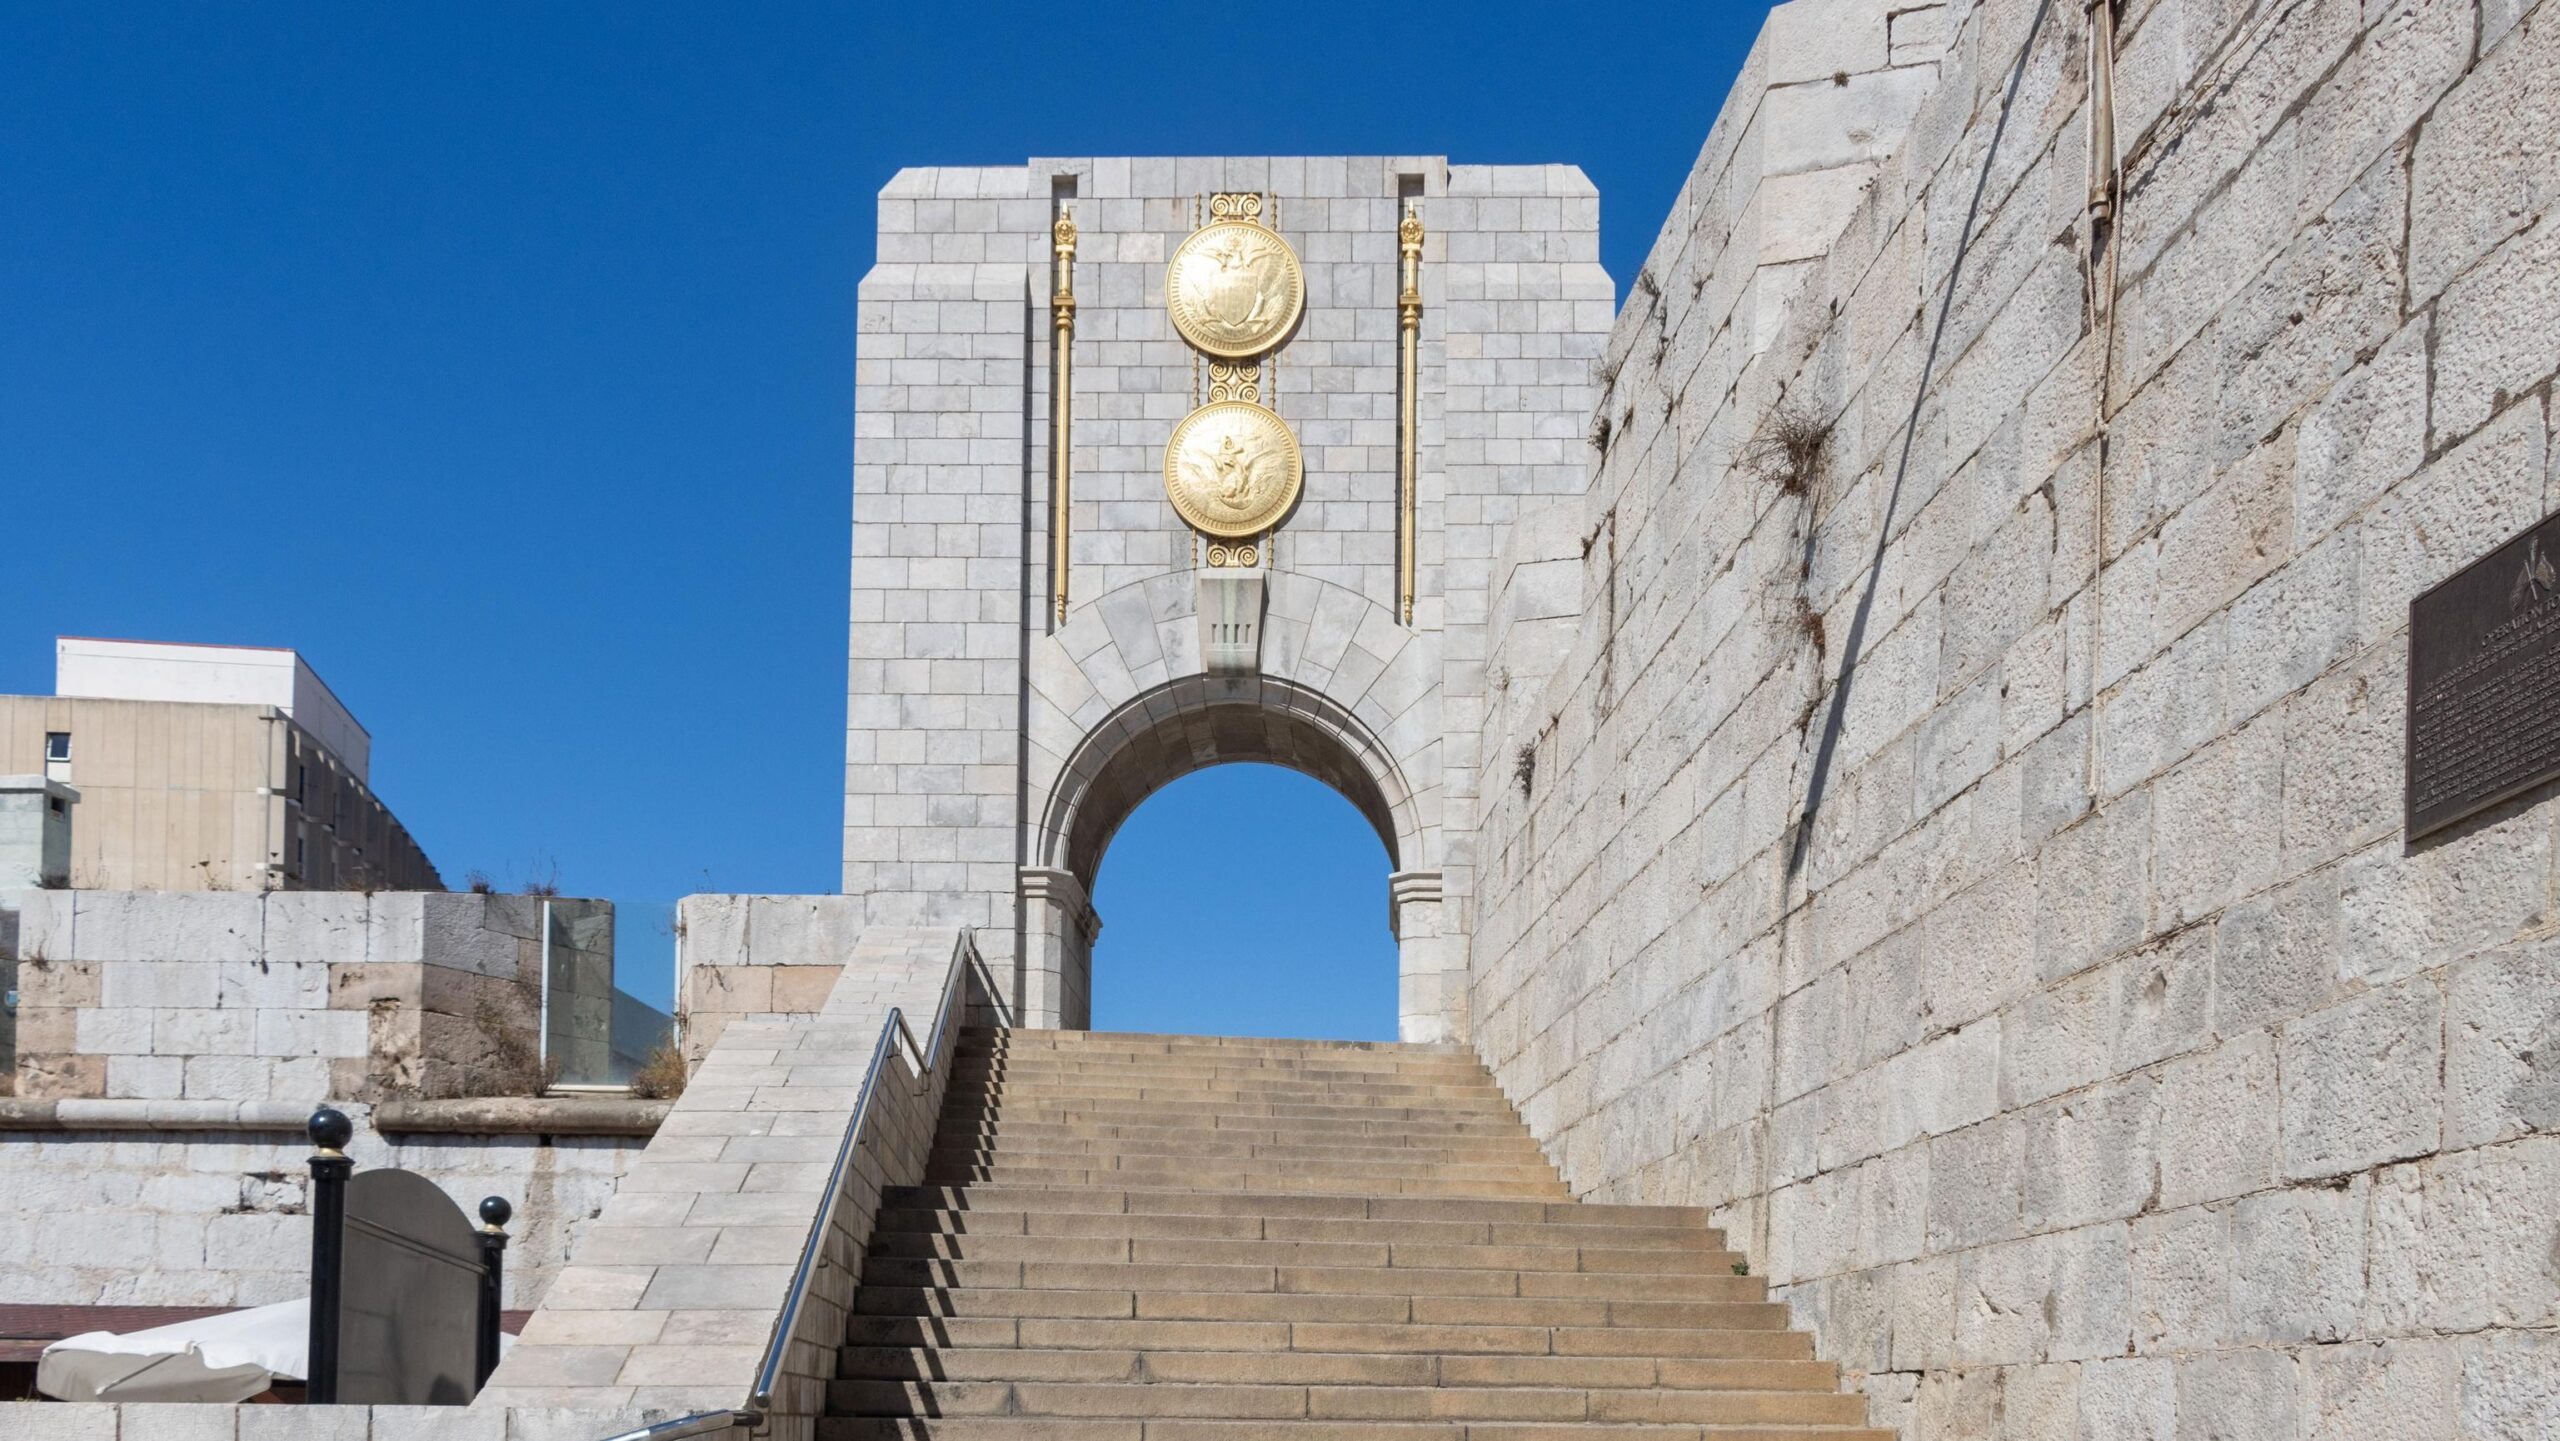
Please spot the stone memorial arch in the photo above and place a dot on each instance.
(1161, 464)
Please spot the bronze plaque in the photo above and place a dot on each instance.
(2484, 682)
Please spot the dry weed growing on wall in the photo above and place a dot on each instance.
(1787, 453)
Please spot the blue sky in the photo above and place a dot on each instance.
(500, 359)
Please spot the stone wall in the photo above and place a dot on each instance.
(145, 1215)
(2096, 1057)
(301, 995)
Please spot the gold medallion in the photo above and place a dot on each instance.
(1235, 288)
(1232, 469)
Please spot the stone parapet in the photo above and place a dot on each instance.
(303, 996)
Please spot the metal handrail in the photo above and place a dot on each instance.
(769, 1372)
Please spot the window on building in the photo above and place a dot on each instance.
(57, 745)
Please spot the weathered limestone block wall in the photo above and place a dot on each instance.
(666, 1306)
(2106, 1063)
(138, 1214)
(301, 995)
(744, 957)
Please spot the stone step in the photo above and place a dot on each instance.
(1171, 1124)
(1255, 1068)
(1463, 1300)
(1222, 1078)
(1284, 1177)
(1228, 1181)
(1036, 1252)
(967, 1110)
(1149, 1400)
(1070, 1075)
(1151, 1238)
(1463, 1150)
(965, 1117)
(1309, 1145)
(963, 1094)
(1117, 1200)
(1478, 1094)
(1175, 1168)
(928, 1221)
(1310, 1368)
(983, 1038)
(1362, 1337)
(1028, 1070)
(1165, 1128)
(1043, 1428)
(1255, 1064)
(1513, 1151)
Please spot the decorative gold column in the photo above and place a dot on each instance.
(1408, 379)
(1062, 311)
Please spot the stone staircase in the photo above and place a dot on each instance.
(1162, 1238)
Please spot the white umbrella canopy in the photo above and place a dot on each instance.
(230, 1357)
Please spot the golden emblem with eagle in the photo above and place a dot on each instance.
(1232, 469)
(1235, 288)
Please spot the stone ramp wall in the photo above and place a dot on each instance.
(665, 1307)
(2109, 1066)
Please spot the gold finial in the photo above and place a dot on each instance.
(1062, 308)
(1062, 238)
(1409, 384)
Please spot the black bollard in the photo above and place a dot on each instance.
(494, 1212)
(330, 1131)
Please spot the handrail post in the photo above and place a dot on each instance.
(330, 1130)
(494, 1212)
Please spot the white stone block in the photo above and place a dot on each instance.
(165, 984)
(311, 1033)
(189, 926)
(102, 1031)
(145, 1077)
(180, 1422)
(2362, 1082)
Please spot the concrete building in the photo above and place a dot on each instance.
(204, 767)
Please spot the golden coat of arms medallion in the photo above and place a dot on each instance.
(1235, 288)
(1232, 469)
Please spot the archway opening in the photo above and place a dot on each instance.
(1246, 900)
(1199, 723)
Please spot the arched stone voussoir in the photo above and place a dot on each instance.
(1140, 639)
(1200, 721)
